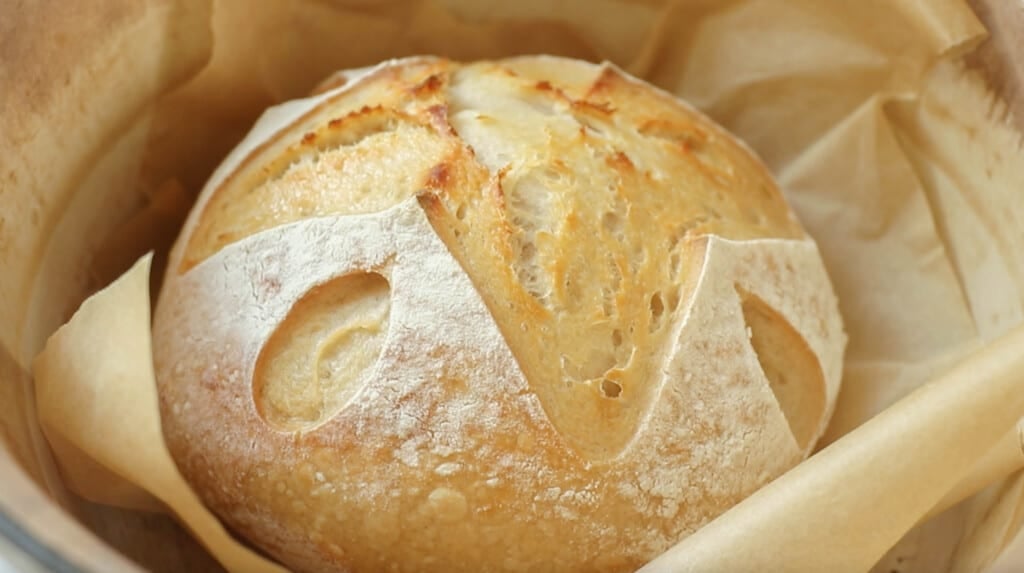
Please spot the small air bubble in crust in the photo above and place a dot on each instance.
(610, 389)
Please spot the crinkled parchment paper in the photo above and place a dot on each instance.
(899, 162)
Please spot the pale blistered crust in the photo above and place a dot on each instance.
(462, 448)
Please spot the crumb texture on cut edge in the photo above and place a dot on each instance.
(444, 297)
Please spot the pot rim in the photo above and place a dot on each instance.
(41, 556)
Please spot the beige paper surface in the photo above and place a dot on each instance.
(1000, 461)
(830, 94)
(964, 148)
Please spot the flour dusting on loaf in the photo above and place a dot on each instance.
(524, 315)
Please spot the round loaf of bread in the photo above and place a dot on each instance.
(523, 315)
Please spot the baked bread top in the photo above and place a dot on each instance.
(531, 314)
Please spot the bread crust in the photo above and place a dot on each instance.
(527, 315)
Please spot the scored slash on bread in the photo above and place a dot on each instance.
(490, 317)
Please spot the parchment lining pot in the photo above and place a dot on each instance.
(55, 50)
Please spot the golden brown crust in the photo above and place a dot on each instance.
(576, 275)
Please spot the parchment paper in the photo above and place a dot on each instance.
(883, 147)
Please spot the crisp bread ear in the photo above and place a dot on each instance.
(793, 371)
(748, 352)
(319, 310)
(303, 308)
